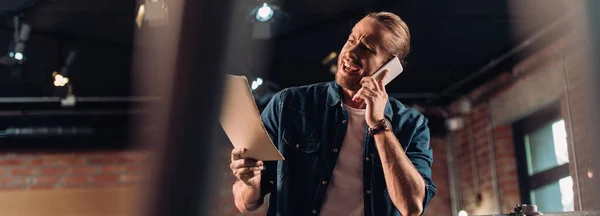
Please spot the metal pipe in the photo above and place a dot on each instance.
(473, 153)
(493, 163)
(571, 139)
(47, 131)
(78, 99)
(452, 173)
(494, 62)
(4, 113)
(420, 95)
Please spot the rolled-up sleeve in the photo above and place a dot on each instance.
(421, 155)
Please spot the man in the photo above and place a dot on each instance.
(349, 148)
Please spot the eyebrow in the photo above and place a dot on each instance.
(369, 46)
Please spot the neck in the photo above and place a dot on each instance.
(347, 99)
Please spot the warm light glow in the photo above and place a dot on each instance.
(329, 57)
(590, 174)
(462, 213)
(139, 19)
(60, 80)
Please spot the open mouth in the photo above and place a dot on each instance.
(349, 67)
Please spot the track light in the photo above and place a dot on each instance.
(62, 83)
(16, 52)
(19, 56)
(269, 21)
(264, 13)
(59, 80)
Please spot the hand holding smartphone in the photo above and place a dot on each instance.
(394, 68)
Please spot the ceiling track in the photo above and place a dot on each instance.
(24, 9)
(78, 99)
(495, 62)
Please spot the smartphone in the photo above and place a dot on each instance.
(394, 68)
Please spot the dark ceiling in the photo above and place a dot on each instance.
(450, 40)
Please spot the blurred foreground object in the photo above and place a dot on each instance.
(154, 13)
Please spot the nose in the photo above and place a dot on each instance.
(351, 53)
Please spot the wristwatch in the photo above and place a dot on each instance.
(384, 125)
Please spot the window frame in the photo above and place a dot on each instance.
(527, 125)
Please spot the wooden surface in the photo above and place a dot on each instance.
(121, 201)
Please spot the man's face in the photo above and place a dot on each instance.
(363, 54)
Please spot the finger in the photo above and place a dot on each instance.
(369, 82)
(364, 94)
(380, 84)
(245, 163)
(369, 92)
(246, 170)
(236, 153)
(357, 96)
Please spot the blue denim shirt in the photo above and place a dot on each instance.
(306, 124)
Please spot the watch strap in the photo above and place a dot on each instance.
(383, 125)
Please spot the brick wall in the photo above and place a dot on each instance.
(47, 171)
(556, 73)
(439, 169)
(473, 165)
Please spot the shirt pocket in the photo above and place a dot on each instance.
(301, 156)
(299, 143)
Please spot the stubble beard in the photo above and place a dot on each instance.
(351, 83)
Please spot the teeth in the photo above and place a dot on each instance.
(348, 66)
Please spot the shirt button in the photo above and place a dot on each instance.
(368, 191)
(335, 150)
(314, 211)
(344, 121)
(297, 145)
(324, 182)
(367, 159)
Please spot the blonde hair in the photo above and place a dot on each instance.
(400, 44)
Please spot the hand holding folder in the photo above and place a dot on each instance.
(241, 121)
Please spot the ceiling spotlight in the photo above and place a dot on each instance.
(463, 213)
(269, 21)
(329, 58)
(264, 13)
(59, 80)
(17, 45)
(256, 83)
(18, 56)
(62, 83)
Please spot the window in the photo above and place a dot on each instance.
(543, 161)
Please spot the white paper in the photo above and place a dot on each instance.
(241, 121)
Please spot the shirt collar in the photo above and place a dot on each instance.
(334, 98)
